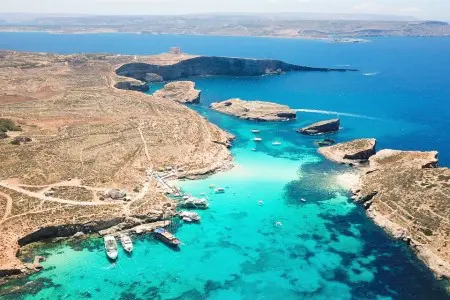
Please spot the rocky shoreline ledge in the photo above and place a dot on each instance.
(255, 110)
(405, 193)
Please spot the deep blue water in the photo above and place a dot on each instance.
(327, 248)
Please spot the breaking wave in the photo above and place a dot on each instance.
(327, 112)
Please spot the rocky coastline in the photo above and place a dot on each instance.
(405, 193)
(212, 65)
(255, 110)
(118, 144)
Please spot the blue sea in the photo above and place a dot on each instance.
(321, 248)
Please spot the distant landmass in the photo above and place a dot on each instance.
(290, 25)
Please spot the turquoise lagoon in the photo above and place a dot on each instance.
(325, 248)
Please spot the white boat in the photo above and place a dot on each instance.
(303, 199)
(219, 190)
(189, 216)
(257, 139)
(276, 143)
(110, 247)
(256, 131)
(126, 242)
(194, 203)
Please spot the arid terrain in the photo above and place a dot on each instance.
(290, 25)
(407, 194)
(86, 137)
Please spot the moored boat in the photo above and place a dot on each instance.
(166, 237)
(256, 131)
(193, 202)
(276, 143)
(189, 216)
(219, 190)
(126, 242)
(257, 139)
(110, 247)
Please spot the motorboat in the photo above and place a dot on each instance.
(126, 242)
(192, 202)
(166, 237)
(257, 139)
(256, 131)
(110, 247)
(189, 216)
(219, 190)
(276, 143)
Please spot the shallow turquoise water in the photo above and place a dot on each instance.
(326, 247)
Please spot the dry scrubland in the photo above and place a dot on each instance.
(87, 137)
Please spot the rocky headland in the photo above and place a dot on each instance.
(255, 110)
(90, 134)
(407, 194)
(321, 127)
(355, 152)
(179, 91)
(212, 65)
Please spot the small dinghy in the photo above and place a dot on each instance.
(110, 247)
(126, 242)
(257, 139)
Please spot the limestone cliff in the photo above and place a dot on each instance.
(211, 65)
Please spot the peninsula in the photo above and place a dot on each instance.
(91, 145)
(407, 194)
(86, 138)
(255, 110)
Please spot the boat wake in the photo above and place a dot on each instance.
(327, 112)
(371, 74)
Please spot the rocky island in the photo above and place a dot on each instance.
(255, 110)
(407, 194)
(179, 91)
(321, 127)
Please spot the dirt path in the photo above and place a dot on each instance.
(145, 144)
(8, 206)
(50, 199)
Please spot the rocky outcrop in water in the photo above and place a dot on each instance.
(179, 91)
(353, 152)
(321, 127)
(255, 110)
(211, 65)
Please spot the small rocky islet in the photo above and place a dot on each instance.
(255, 110)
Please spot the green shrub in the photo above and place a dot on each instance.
(8, 125)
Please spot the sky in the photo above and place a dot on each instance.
(424, 9)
